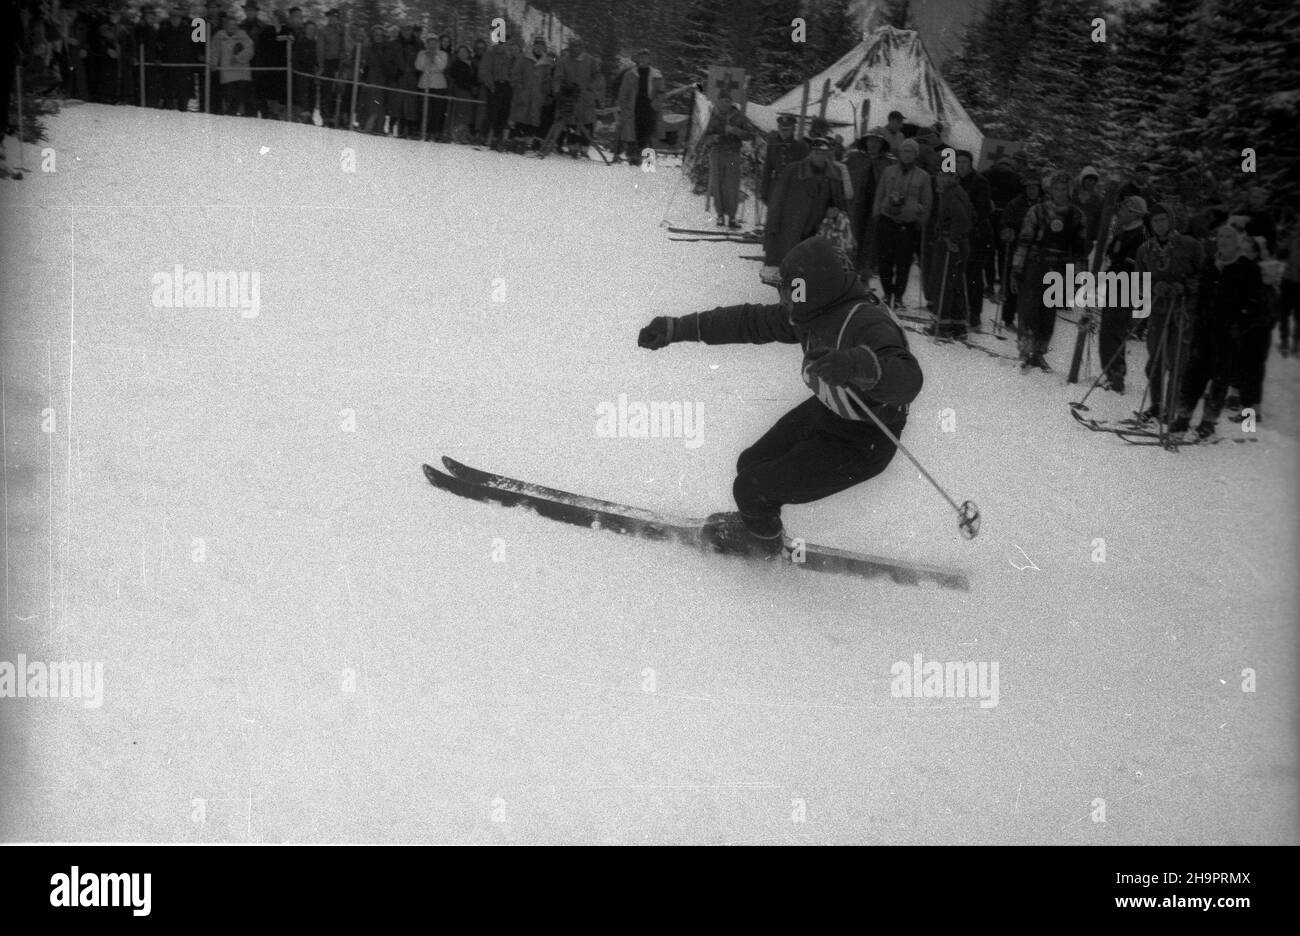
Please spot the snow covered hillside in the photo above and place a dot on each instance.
(303, 641)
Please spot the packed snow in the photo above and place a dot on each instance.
(303, 641)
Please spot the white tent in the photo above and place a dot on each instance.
(891, 69)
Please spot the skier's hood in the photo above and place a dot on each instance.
(826, 275)
(1087, 171)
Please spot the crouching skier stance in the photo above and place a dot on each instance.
(855, 355)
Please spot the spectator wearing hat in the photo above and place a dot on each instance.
(804, 194)
(495, 71)
(640, 102)
(727, 130)
(1174, 263)
(903, 201)
(782, 150)
(1052, 235)
(1254, 333)
(1117, 314)
(407, 100)
(867, 162)
(1138, 183)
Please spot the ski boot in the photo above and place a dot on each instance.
(725, 532)
(1204, 430)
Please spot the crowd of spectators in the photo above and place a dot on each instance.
(1222, 278)
(394, 80)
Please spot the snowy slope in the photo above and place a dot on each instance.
(347, 662)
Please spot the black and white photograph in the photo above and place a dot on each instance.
(681, 422)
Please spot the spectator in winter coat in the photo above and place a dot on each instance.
(375, 75)
(235, 51)
(801, 198)
(579, 83)
(855, 359)
(1117, 313)
(977, 191)
(1013, 217)
(431, 64)
(725, 134)
(1227, 302)
(955, 219)
(1052, 235)
(1174, 263)
(146, 43)
(903, 201)
(305, 66)
(640, 101)
(1004, 186)
(867, 163)
(175, 48)
(531, 84)
(332, 50)
(1255, 332)
(463, 79)
(494, 71)
(782, 150)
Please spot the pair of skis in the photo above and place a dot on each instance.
(579, 510)
(1138, 431)
(717, 234)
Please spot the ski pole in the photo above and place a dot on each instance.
(943, 285)
(1080, 405)
(968, 514)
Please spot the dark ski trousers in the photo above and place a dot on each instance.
(809, 454)
(1116, 323)
(1252, 355)
(1211, 363)
(1037, 319)
(898, 244)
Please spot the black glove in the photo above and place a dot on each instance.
(658, 334)
(848, 365)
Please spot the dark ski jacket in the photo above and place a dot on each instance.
(780, 153)
(1229, 302)
(837, 312)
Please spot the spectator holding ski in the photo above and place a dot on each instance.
(1117, 313)
(1174, 262)
(855, 359)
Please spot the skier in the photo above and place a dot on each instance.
(855, 356)
(1117, 316)
(1052, 235)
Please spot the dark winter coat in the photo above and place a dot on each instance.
(174, 43)
(798, 204)
(629, 87)
(977, 190)
(837, 313)
(1004, 185)
(865, 174)
(1229, 303)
